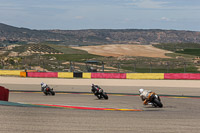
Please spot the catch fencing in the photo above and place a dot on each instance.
(141, 65)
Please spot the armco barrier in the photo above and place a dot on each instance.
(4, 94)
(87, 75)
(42, 74)
(10, 72)
(182, 76)
(145, 75)
(65, 75)
(109, 75)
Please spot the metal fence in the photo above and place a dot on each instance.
(109, 66)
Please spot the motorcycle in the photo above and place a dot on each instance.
(99, 92)
(154, 100)
(49, 91)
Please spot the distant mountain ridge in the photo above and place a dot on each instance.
(98, 36)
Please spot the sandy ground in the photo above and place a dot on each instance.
(125, 50)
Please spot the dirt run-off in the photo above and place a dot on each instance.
(125, 50)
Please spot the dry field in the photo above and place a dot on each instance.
(125, 50)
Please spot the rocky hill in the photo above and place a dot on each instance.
(97, 36)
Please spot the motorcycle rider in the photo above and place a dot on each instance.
(44, 87)
(144, 96)
(95, 90)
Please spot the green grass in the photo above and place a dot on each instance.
(174, 55)
(192, 49)
(67, 49)
(53, 42)
(195, 52)
(73, 57)
(161, 70)
(177, 46)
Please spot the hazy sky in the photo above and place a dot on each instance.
(101, 14)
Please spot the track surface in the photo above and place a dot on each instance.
(178, 115)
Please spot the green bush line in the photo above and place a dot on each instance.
(195, 52)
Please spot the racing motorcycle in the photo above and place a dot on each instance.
(154, 100)
(99, 92)
(49, 91)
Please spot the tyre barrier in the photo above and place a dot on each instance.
(10, 72)
(43, 74)
(86, 75)
(65, 75)
(4, 94)
(185, 76)
(78, 75)
(109, 75)
(23, 74)
(145, 75)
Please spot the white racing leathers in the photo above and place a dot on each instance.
(44, 87)
(144, 95)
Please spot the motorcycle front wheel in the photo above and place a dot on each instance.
(105, 96)
(158, 103)
(52, 93)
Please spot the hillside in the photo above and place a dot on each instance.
(10, 34)
(116, 58)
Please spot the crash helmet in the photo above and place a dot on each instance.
(141, 90)
(42, 83)
(92, 85)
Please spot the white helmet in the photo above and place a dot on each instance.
(42, 84)
(141, 90)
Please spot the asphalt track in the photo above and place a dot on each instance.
(180, 114)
